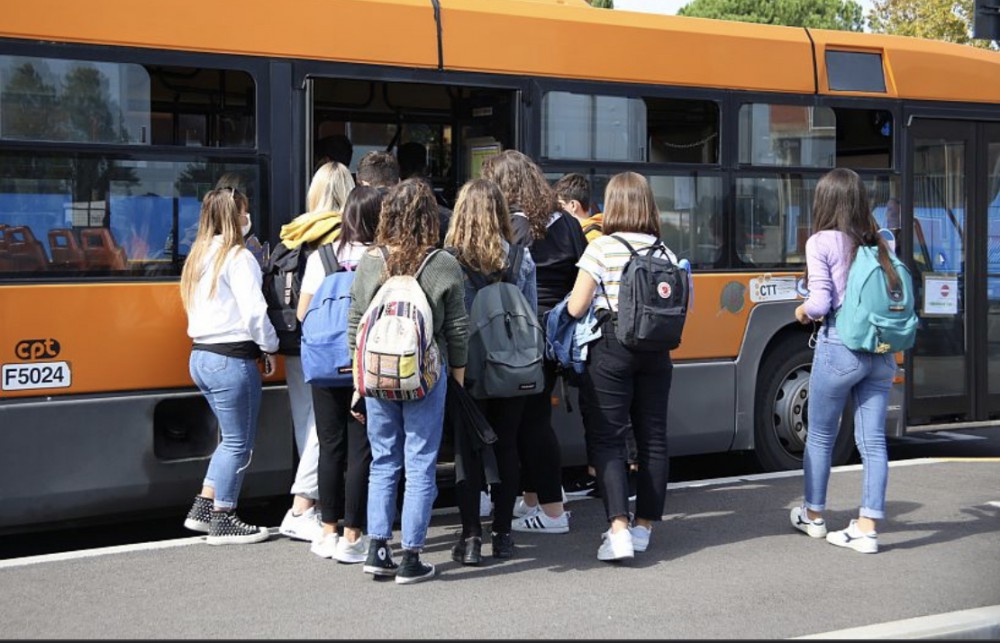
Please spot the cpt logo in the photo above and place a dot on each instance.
(31, 349)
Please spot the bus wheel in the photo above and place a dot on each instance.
(781, 419)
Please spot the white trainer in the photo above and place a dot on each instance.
(854, 538)
(616, 546)
(801, 521)
(521, 510)
(325, 546)
(640, 537)
(351, 553)
(305, 526)
(541, 523)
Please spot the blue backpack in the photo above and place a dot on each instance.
(874, 318)
(326, 359)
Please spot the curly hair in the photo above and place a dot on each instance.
(524, 186)
(478, 224)
(408, 226)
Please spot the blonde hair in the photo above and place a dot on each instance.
(629, 205)
(220, 213)
(524, 186)
(479, 223)
(409, 225)
(329, 188)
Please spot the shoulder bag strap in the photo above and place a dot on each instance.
(328, 257)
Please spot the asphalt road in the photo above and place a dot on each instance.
(970, 443)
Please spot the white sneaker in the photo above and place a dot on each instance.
(485, 504)
(350, 553)
(853, 538)
(521, 510)
(801, 521)
(640, 537)
(616, 546)
(305, 526)
(539, 522)
(325, 546)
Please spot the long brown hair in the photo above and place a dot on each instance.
(524, 186)
(841, 204)
(479, 223)
(408, 225)
(629, 205)
(360, 217)
(220, 215)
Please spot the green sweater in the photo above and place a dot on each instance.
(443, 284)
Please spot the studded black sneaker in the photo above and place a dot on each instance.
(227, 529)
(200, 516)
(380, 562)
(413, 570)
(503, 546)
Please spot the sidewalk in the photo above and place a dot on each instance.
(725, 563)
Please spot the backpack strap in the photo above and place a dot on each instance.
(328, 256)
(423, 264)
(625, 243)
(515, 256)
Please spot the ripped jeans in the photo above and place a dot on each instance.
(232, 387)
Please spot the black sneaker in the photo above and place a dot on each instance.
(582, 486)
(412, 570)
(380, 562)
(227, 529)
(199, 518)
(503, 545)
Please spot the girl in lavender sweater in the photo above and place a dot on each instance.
(843, 221)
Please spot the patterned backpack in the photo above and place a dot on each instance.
(396, 356)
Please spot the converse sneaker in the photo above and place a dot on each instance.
(412, 570)
(304, 526)
(326, 545)
(800, 520)
(351, 553)
(227, 529)
(199, 518)
(640, 537)
(855, 539)
(485, 504)
(541, 523)
(616, 546)
(379, 561)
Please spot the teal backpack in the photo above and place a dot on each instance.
(873, 318)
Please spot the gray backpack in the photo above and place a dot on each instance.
(506, 344)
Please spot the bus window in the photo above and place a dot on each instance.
(75, 101)
(864, 138)
(773, 220)
(84, 214)
(591, 127)
(787, 135)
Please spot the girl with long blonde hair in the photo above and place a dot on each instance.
(406, 435)
(480, 236)
(228, 323)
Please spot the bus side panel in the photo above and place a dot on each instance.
(114, 337)
(78, 458)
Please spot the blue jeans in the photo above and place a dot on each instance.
(837, 372)
(232, 387)
(404, 434)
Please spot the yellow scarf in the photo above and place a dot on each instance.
(314, 228)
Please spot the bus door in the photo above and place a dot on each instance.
(952, 218)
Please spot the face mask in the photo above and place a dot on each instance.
(245, 229)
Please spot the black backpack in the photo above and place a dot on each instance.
(652, 300)
(283, 274)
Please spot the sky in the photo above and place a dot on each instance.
(671, 6)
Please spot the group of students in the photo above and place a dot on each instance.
(354, 448)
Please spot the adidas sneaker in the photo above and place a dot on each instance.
(539, 522)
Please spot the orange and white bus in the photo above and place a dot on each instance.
(116, 118)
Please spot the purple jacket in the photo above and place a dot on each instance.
(828, 258)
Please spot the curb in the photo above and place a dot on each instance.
(980, 623)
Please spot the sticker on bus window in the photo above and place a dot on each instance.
(37, 375)
(768, 288)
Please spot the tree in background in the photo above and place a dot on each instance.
(602, 4)
(845, 15)
(949, 20)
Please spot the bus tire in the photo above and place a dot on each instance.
(781, 418)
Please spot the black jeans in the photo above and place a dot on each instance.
(628, 385)
(345, 456)
(505, 416)
(538, 446)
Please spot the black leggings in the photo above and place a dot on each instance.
(345, 456)
(538, 446)
(505, 416)
(628, 385)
